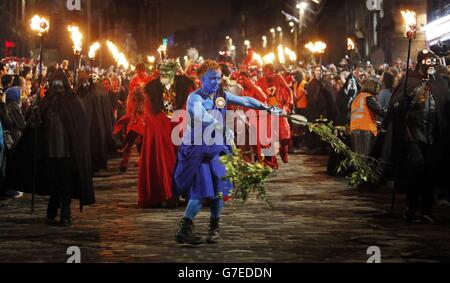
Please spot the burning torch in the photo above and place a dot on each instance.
(77, 39)
(410, 33)
(119, 57)
(317, 47)
(92, 52)
(162, 50)
(40, 26)
(151, 59)
(410, 20)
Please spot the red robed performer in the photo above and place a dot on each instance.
(158, 155)
(134, 117)
(254, 91)
(279, 95)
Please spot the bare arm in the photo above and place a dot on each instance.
(245, 101)
(198, 112)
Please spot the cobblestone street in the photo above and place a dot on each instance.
(316, 219)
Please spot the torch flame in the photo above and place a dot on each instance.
(290, 54)
(281, 57)
(410, 23)
(316, 47)
(151, 59)
(162, 48)
(93, 49)
(258, 59)
(40, 25)
(350, 44)
(269, 58)
(120, 58)
(77, 38)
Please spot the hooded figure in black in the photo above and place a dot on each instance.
(87, 91)
(63, 153)
(321, 104)
(345, 98)
(416, 135)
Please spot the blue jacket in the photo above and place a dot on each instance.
(2, 143)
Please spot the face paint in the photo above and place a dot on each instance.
(427, 66)
(165, 81)
(168, 70)
(211, 81)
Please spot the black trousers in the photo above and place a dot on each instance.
(362, 142)
(130, 140)
(61, 183)
(418, 177)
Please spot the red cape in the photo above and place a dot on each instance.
(157, 162)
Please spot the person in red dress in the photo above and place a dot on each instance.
(279, 95)
(164, 95)
(250, 89)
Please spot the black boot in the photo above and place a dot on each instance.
(186, 235)
(65, 222)
(213, 231)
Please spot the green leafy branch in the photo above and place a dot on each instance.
(364, 169)
(247, 178)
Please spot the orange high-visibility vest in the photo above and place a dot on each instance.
(301, 101)
(362, 118)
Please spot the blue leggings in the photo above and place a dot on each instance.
(194, 206)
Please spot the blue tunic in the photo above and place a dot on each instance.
(199, 171)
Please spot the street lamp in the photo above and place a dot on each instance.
(274, 38)
(302, 6)
(264, 42)
(280, 33)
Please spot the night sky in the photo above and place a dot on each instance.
(180, 14)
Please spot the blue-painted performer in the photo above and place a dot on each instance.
(199, 171)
